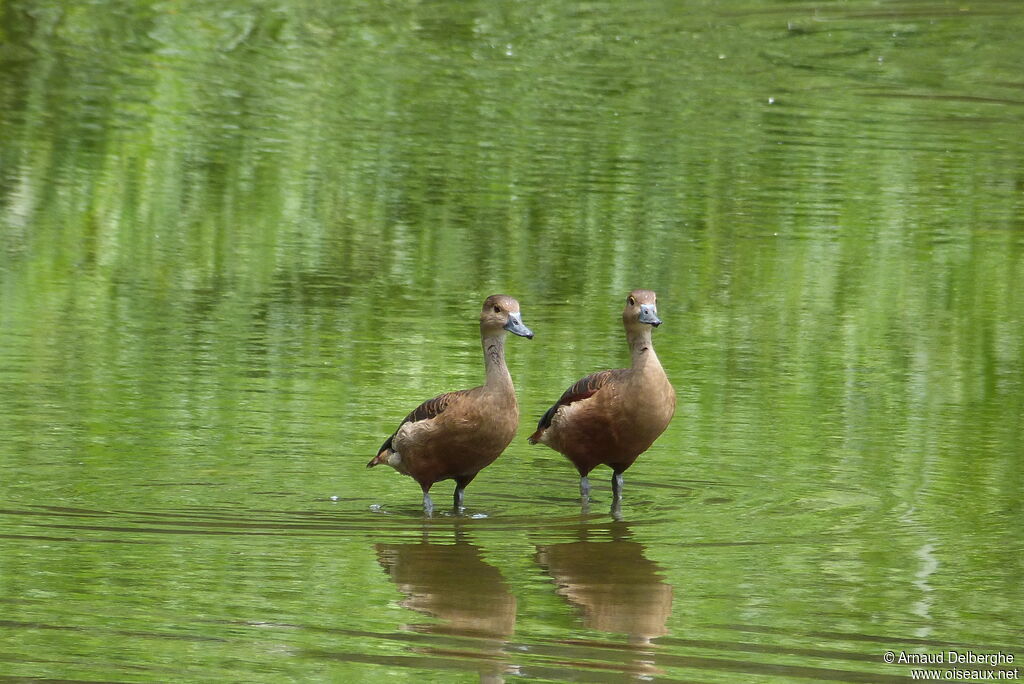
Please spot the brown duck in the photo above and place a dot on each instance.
(612, 416)
(457, 434)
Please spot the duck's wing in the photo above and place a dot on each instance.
(428, 410)
(584, 388)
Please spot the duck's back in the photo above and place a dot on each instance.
(615, 422)
(466, 437)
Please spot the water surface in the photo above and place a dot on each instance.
(238, 242)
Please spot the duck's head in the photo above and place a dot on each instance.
(501, 312)
(641, 309)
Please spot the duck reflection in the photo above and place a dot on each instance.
(612, 583)
(454, 583)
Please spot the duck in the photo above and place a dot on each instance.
(455, 435)
(612, 416)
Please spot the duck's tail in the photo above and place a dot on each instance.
(381, 457)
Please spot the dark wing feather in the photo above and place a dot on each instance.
(431, 408)
(582, 389)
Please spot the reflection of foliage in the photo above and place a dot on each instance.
(308, 150)
(426, 137)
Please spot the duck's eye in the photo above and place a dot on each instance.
(497, 309)
(631, 301)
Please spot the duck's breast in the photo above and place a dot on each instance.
(650, 404)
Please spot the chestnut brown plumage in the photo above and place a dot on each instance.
(612, 416)
(457, 434)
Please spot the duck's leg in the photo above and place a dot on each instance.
(460, 490)
(584, 487)
(617, 486)
(428, 504)
(616, 510)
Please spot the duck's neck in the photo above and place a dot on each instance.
(498, 377)
(641, 347)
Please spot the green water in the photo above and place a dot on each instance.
(239, 241)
